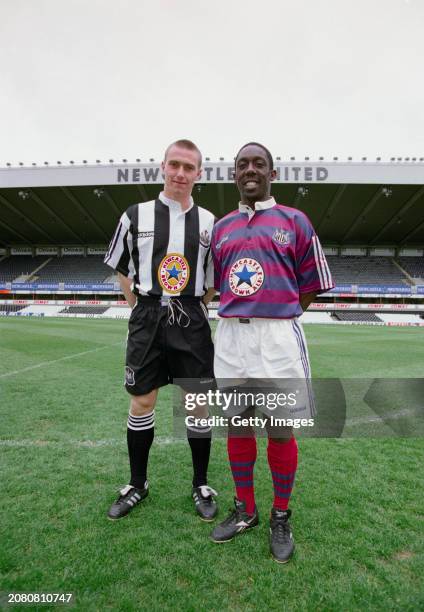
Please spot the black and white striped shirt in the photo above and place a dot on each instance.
(166, 251)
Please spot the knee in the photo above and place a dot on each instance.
(141, 405)
(280, 435)
(241, 432)
(199, 412)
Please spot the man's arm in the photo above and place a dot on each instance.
(208, 295)
(306, 299)
(126, 283)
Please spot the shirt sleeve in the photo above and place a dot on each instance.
(312, 271)
(216, 261)
(118, 255)
(209, 271)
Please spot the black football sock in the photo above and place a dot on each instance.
(140, 433)
(199, 439)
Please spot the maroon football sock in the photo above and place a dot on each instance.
(282, 460)
(242, 456)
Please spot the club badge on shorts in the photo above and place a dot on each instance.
(173, 272)
(129, 376)
(246, 277)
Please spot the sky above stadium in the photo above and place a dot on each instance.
(101, 79)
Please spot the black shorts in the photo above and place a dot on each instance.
(161, 349)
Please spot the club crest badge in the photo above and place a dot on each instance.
(129, 376)
(281, 237)
(173, 273)
(205, 239)
(246, 277)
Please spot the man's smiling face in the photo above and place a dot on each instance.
(253, 174)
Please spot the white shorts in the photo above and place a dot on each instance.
(265, 350)
(262, 348)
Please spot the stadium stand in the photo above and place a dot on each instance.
(118, 312)
(316, 317)
(19, 265)
(74, 269)
(112, 278)
(10, 307)
(394, 317)
(367, 317)
(41, 309)
(70, 268)
(414, 266)
(84, 310)
(122, 311)
(365, 270)
(91, 269)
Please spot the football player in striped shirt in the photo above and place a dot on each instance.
(269, 266)
(161, 251)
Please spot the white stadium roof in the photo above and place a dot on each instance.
(397, 171)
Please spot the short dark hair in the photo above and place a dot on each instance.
(184, 143)
(257, 144)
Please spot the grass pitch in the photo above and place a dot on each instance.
(358, 504)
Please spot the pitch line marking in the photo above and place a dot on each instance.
(46, 363)
(160, 440)
(378, 419)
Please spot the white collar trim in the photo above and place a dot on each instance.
(173, 203)
(243, 208)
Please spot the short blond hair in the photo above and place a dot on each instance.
(184, 143)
